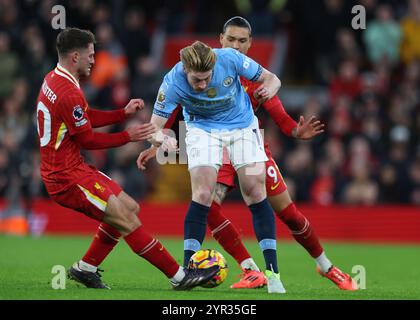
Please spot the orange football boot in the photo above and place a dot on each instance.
(342, 280)
(250, 279)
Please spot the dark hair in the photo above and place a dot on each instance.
(237, 22)
(73, 38)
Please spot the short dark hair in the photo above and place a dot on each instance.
(237, 21)
(73, 38)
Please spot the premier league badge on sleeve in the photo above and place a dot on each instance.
(78, 115)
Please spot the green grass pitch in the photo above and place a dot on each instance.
(26, 272)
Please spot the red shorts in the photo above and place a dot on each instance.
(274, 182)
(89, 195)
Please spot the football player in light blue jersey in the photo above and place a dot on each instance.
(219, 116)
(214, 102)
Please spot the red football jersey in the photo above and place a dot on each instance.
(250, 87)
(61, 113)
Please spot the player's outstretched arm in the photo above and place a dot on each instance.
(90, 140)
(284, 122)
(140, 132)
(306, 130)
(101, 118)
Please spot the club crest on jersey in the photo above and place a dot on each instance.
(227, 82)
(99, 187)
(211, 92)
(78, 113)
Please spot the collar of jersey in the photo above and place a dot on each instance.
(63, 72)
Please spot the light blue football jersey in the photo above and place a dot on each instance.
(223, 105)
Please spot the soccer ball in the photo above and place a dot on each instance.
(207, 258)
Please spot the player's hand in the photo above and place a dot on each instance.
(133, 106)
(308, 130)
(141, 132)
(261, 94)
(169, 144)
(145, 156)
(160, 139)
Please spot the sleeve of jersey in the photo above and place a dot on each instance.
(100, 118)
(247, 67)
(165, 102)
(73, 112)
(90, 140)
(276, 110)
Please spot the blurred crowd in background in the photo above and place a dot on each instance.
(369, 154)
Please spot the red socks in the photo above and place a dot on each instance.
(152, 250)
(223, 231)
(104, 241)
(226, 234)
(301, 229)
(139, 241)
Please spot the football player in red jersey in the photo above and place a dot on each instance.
(65, 123)
(237, 34)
